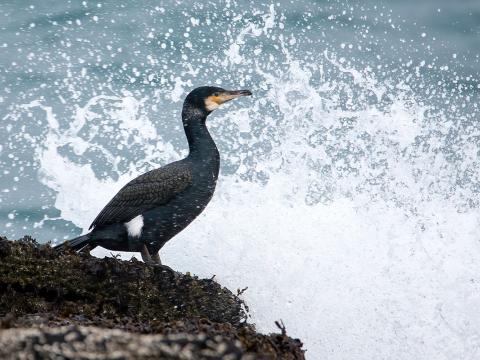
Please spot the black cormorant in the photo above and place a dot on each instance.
(154, 207)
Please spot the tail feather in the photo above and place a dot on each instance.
(75, 244)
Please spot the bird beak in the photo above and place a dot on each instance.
(228, 95)
(214, 101)
(237, 93)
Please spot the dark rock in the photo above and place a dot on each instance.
(97, 343)
(46, 291)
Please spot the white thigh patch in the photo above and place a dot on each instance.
(135, 226)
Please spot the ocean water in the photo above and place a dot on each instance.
(349, 195)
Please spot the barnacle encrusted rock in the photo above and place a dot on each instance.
(77, 296)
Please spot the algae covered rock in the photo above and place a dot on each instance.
(77, 296)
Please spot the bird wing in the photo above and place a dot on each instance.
(154, 188)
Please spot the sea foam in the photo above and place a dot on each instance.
(347, 201)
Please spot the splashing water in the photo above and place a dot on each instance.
(349, 198)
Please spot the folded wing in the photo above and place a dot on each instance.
(152, 189)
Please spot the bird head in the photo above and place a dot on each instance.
(208, 98)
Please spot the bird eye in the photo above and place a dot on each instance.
(216, 94)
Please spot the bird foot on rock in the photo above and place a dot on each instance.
(163, 268)
(154, 261)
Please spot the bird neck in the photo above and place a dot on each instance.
(200, 142)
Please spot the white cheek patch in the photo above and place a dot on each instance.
(135, 226)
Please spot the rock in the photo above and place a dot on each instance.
(92, 307)
(78, 342)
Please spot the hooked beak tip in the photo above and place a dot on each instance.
(238, 93)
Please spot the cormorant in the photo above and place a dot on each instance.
(155, 206)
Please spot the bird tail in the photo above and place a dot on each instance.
(76, 244)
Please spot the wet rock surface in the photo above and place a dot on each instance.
(99, 343)
(77, 306)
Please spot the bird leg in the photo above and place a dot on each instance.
(146, 257)
(150, 259)
(155, 260)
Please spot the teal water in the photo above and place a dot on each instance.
(349, 181)
(67, 52)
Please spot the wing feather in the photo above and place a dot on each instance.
(152, 189)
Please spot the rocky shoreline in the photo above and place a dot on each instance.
(75, 306)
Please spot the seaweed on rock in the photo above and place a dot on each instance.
(40, 289)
